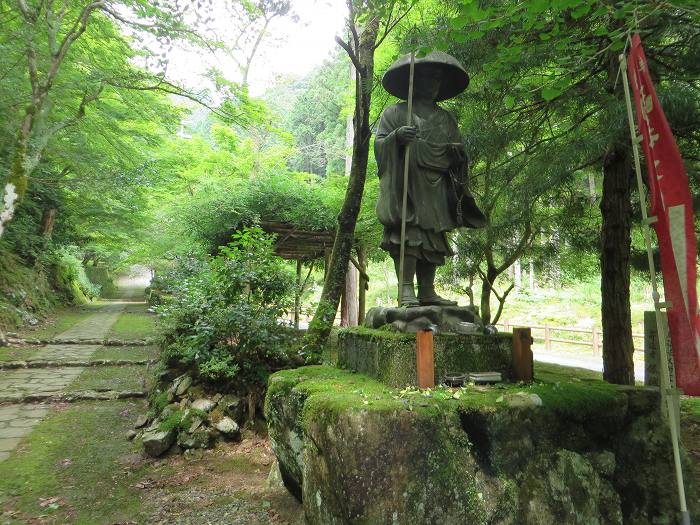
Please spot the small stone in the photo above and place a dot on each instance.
(524, 400)
(196, 423)
(155, 442)
(218, 397)
(232, 406)
(274, 478)
(131, 434)
(227, 426)
(201, 438)
(141, 421)
(183, 385)
(205, 405)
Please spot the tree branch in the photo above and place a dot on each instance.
(353, 57)
(389, 27)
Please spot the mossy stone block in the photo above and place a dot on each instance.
(391, 357)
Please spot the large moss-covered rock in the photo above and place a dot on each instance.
(356, 451)
(565, 488)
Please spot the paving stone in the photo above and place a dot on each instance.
(8, 444)
(17, 420)
(10, 432)
(22, 423)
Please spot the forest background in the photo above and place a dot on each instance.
(108, 162)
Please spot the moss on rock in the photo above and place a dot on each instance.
(25, 294)
(357, 451)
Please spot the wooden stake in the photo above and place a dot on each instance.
(404, 201)
(425, 359)
(522, 354)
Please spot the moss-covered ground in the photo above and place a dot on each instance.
(132, 353)
(17, 354)
(112, 378)
(134, 323)
(61, 320)
(77, 467)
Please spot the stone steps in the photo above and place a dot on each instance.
(13, 365)
(68, 397)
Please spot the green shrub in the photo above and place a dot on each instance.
(221, 321)
(171, 422)
(158, 401)
(69, 275)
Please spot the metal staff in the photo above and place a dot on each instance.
(404, 202)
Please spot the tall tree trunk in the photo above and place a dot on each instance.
(616, 209)
(349, 305)
(487, 281)
(485, 310)
(322, 322)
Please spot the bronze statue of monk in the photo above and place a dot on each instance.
(438, 197)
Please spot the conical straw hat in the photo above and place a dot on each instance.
(454, 78)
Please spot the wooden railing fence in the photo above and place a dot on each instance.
(544, 333)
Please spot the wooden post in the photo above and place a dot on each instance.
(522, 354)
(297, 296)
(425, 359)
(364, 285)
(596, 341)
(547, 336)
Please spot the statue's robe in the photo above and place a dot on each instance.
(435, 182)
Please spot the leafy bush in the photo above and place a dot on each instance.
(222, 318)
(69, 275)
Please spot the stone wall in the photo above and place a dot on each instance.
(355, 451)
(391, 357)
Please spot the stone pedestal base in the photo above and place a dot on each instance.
(390, 357)
(441, 319)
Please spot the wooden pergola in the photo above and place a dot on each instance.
(307, 246)
(294, 243)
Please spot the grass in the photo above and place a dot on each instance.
(134, 323)
(111, 378)
(690, 408)
(17, 354)
(80, 456)
(132, 353)
(61, 320)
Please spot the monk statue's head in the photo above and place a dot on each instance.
(427, 82)
(437, 76)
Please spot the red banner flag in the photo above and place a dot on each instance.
(672, 205)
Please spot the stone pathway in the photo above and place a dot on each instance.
(17, 420)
